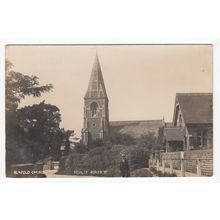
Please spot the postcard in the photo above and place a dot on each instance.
(123, 110)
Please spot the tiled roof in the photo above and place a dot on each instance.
(195, 107)
(174, 134)
(136, 128)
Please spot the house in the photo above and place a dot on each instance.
(192, 126)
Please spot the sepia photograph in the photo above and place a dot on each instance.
(117, 110)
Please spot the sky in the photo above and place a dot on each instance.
(141, 80)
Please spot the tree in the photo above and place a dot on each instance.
(67, 134)
(149, 142)
(18, 86)
(41, 122)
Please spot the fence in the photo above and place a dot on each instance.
(185, 163)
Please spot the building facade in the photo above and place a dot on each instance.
(96, 112)
(192, 125)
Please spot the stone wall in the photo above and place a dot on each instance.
(198, 162)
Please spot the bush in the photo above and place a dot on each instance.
(97, 143)
(81, 148)
(105, 158)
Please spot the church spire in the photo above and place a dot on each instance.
(96, 87)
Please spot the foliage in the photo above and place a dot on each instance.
(106, 158)
(97, 143)
(149, 141)
(80, 148)
(32, 132)
(19, 85)
(66, 139)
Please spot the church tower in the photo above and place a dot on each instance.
(96, 114)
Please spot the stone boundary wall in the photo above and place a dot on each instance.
(197, 162)
(206, 154)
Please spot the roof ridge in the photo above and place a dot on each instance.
(137, 120)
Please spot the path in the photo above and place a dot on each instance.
(52, 174)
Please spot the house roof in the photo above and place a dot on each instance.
(174, 133)
(96, 87)
(136, 128)
(196, 108)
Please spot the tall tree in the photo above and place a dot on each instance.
(19, 144)
(40, 122)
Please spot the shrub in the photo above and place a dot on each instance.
(106, 158)
(97, 143)
(81, 148)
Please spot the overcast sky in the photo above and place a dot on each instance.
(141, 81)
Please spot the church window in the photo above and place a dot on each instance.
(93, 108)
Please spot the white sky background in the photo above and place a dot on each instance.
(141, 81)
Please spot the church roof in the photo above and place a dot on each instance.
(136, 128)
(96, 87)
(195, 107)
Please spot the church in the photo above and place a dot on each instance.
(96, 113)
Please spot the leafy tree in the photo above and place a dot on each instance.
(67, 134)
(41, 122)
(19, 85)
(149, 142)
(29, 129)
(81, 148)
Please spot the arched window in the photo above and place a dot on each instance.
(93, 108)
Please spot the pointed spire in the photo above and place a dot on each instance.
(96, 88)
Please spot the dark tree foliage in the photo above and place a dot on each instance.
(41, 122)
(81, 148)
(66, 136)
(32, 132)
(149, 142)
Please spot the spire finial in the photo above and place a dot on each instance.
(163, 120)
(96, 53)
